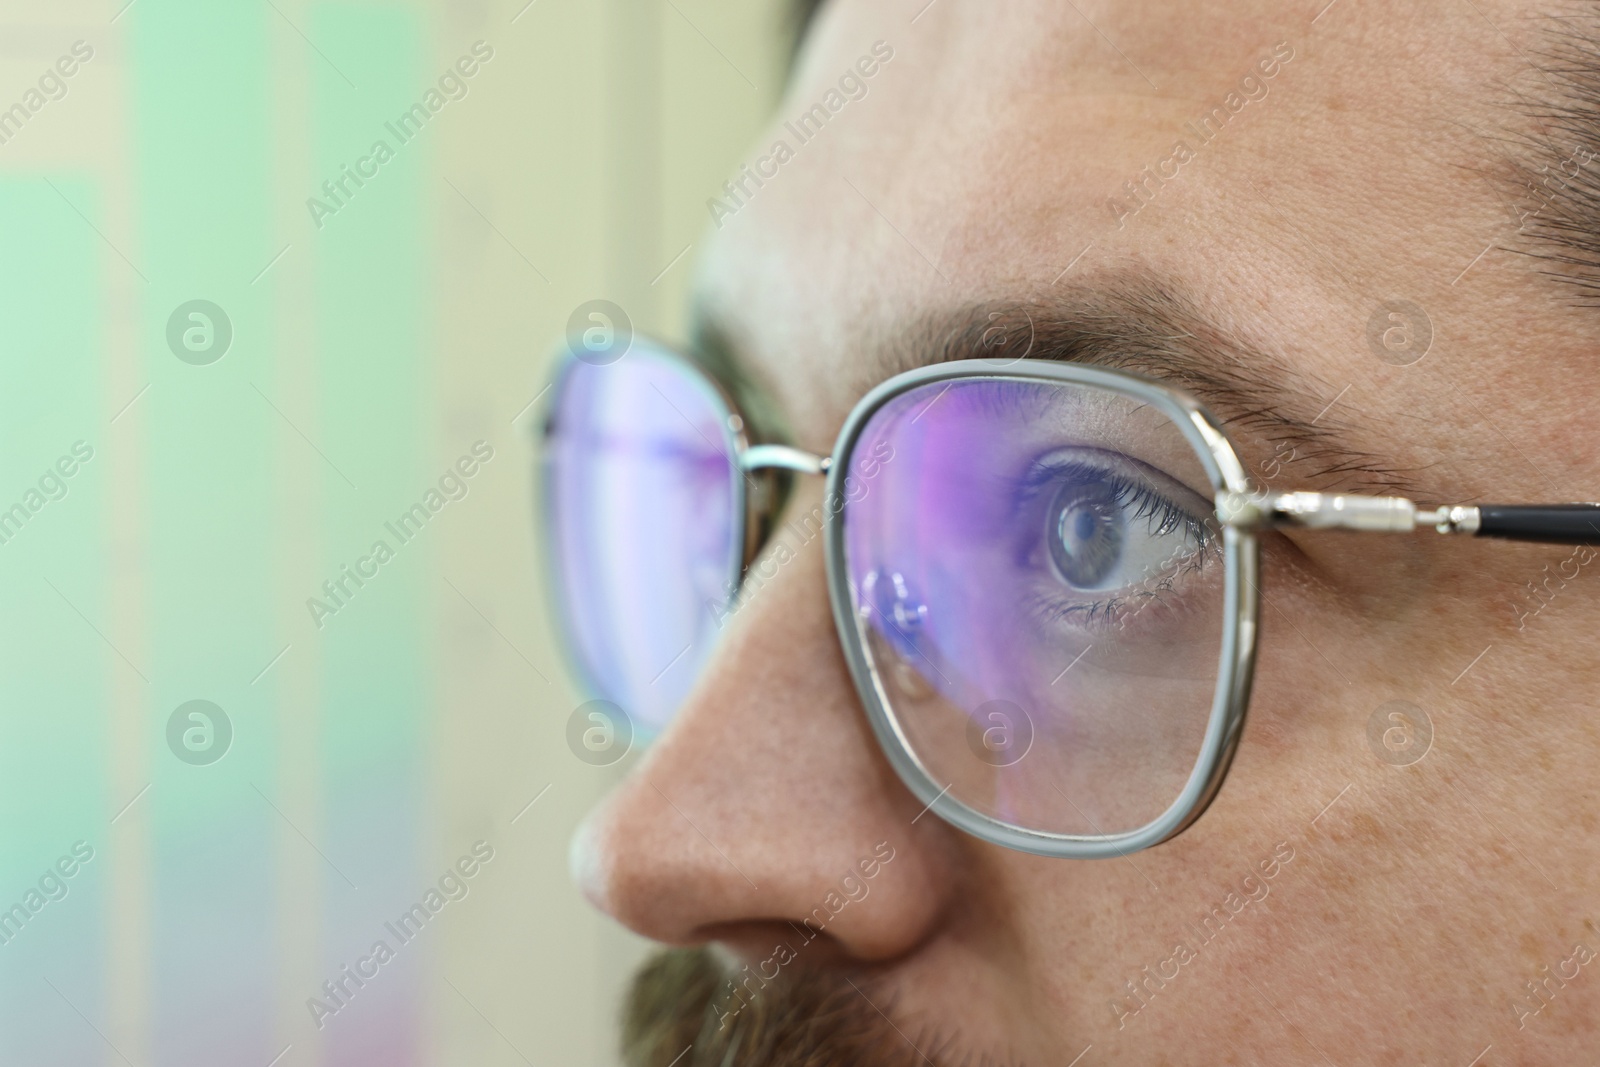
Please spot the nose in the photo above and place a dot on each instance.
(767, 803)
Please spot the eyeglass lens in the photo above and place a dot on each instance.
(1038, 588)
(644, 524)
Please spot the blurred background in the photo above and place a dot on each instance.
(243, 347)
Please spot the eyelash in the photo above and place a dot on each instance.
(1165, 517)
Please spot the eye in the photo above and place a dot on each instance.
(1085, 532)
(1116, 526)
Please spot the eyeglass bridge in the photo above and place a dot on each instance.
(784, 457)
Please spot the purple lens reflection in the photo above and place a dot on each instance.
(1038, 586)
(644, 525)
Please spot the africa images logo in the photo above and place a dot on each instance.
(739, 991)
(337, 192)
(453, 885)
(52, 86)
(52, 485)
(1149, 181)
(453, 485)
(53, 885)
(852, 85)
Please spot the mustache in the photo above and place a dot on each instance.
(677, 1014)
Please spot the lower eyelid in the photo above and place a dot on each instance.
(1096, 614)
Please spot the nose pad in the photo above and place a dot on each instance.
(889, 594)
(894, 620)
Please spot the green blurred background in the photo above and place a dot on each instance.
(242, 851)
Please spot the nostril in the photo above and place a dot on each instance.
(890, 595)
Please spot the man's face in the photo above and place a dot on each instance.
(1341, 901)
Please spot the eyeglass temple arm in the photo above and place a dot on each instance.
(1563, 524)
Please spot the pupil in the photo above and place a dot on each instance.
(1086, 522)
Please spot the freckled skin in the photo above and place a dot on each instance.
(1421, 899)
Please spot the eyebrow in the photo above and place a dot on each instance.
(1284, 420)
(1558, 124)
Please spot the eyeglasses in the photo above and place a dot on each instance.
(1045, 576)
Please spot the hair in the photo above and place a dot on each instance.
(683, 1011)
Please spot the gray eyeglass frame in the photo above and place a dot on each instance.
(1243, 510)
(1241, 608)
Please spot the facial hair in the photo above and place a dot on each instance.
(683, 1011)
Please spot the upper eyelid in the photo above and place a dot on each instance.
(1198, 523)
(1147, 477)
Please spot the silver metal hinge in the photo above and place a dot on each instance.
(1340, 511)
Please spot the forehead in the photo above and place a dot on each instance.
(1292, 172)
